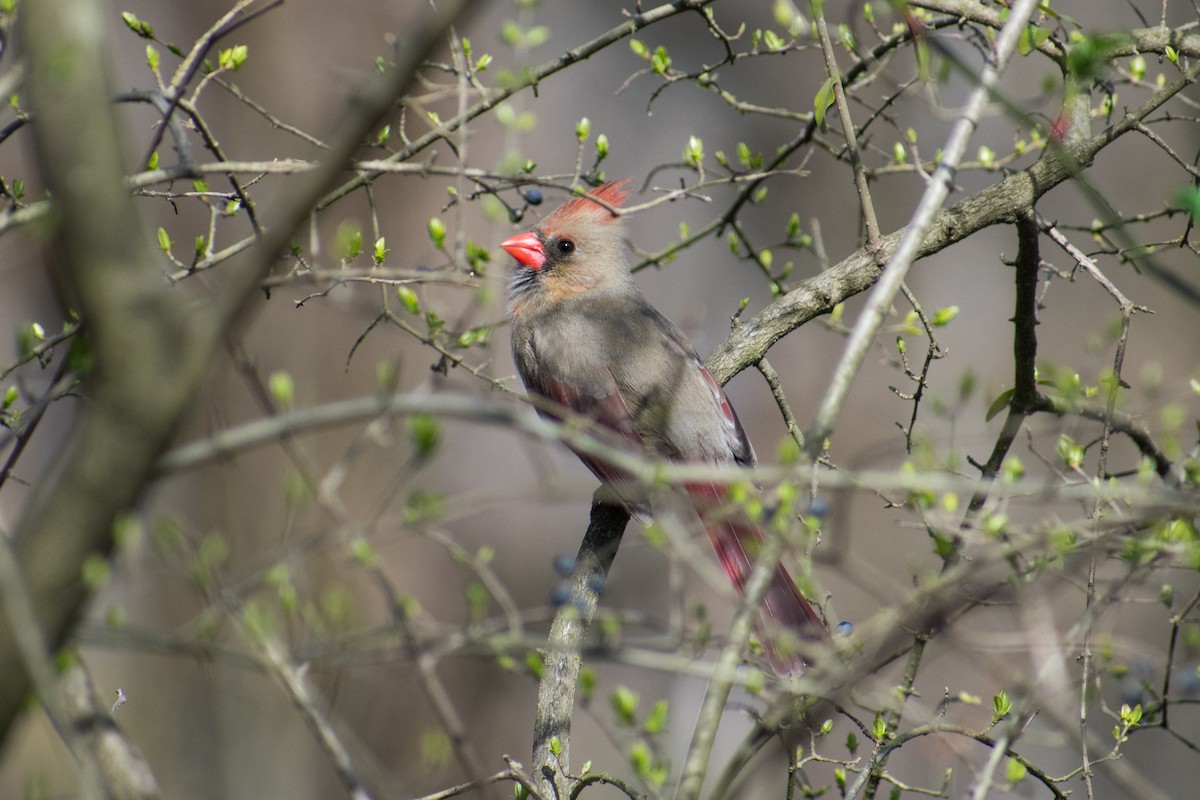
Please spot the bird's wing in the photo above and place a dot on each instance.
(596, 398)
(735, 434)
(739, 447)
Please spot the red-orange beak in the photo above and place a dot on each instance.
(526, 248)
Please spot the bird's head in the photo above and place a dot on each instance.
(575, 249)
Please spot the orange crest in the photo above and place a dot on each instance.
(584, 208)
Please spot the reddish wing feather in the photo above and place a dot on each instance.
(607, 410)
(735, 434)
(783, 604)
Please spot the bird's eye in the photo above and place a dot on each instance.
(565, 247)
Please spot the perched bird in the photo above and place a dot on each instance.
(585, 338)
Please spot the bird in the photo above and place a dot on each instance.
(586, 339)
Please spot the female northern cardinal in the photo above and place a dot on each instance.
(584, 337)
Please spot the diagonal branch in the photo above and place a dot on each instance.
(999, 203)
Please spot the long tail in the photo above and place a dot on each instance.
(783, 607)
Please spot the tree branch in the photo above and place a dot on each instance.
(562, 658)
(856, 273)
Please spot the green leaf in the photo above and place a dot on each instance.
(822, 102)
(426, 434)
(660, 62)
(879, 728)
(434, 323)
(362, 552)
(1031, 39)
(422, 505)
(408, 298)
(349, 240)
(437, 232)
(1131, 717)
(587, 684)
(380, 251)
(1137, 67)
(583, 129)
(943, 316)
(233, 58)
(1070, 452)
(999, 404)
(657, 720)
(535, 664)
(164, 241)
(1189, 198)
(624, 703)
(1001, 706)
(138, 26)
(96, 572)
(282, 388)
(1016, 771)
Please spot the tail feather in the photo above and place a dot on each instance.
(783, 605)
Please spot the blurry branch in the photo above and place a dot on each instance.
(123, 767)
(22, 619)
(294, 681)
(151, 345)
(716, 697)
(426, 662)
(581, 434)
(999, 203)
(909, 247)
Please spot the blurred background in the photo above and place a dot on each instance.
(214, 724)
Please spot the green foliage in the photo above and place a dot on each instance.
(1089, 57)
(233, 58)
(408, 298)
(138, 26)
(424, 505)
(824, 99)
(437, 232)
(426, 435)
(282, 389)
(349, 241)
(1001, 706)
(624, 703)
